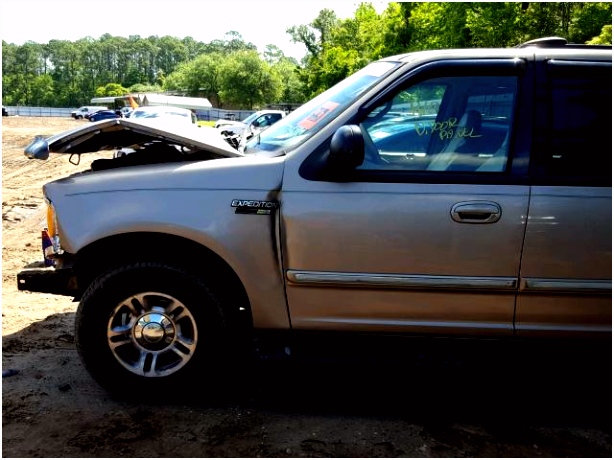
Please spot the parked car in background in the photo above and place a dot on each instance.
(85, 111)
(237, 133)
(257, 121)
(5, 112)
(104, 115)
(164, 114)
(160, 116)
(126, 111)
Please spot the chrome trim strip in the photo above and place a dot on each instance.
(566, 285)
(341, 279)
(405, 323)
(562, 328)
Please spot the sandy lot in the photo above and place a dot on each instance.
(465, 404)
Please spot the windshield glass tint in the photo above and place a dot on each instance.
(251, 118)
(312, 116)
(158, 113)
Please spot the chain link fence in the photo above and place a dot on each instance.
(202, 114)
(38, 111)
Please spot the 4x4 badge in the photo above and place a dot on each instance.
(254, 206)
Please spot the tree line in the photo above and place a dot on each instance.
(232, 73)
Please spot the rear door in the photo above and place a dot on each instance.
(566, 274)
(426, 235)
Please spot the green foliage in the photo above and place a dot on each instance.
(590, 22)
(42, 93)
(230, 72)
(494, 25)
(111, 89)
(335, 48)
(426, 20)
(604, 38)
(288, 72)
(245, 79)
(145, 88)
(197, 78)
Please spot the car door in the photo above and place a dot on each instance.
(566, 273)
(425, 236)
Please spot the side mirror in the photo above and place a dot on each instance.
(347, 149)
(38, 149)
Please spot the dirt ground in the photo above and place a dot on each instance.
(439, 405)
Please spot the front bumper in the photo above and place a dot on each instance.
(48, 280)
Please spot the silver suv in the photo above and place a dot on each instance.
(451, 193)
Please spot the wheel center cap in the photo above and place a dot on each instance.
(153, 332)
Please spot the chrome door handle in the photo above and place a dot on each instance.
(476, 212)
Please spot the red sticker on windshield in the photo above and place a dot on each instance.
(317, 115)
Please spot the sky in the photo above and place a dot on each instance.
(261, 22)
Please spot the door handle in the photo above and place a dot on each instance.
(476, 212)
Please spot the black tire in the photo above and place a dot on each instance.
(145, 327)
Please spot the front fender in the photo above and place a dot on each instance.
(189, 209)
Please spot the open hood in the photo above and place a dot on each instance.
(120, 132)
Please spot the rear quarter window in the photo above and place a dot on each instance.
(578, 141)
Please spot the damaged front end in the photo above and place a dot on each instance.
(55, 274)
(48, 280)
(146, 142)
(142, 143)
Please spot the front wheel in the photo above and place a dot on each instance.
(146, 326)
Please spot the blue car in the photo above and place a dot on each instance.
(104, 115)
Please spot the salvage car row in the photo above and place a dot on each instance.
(236, 133)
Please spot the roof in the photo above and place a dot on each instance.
(159, 99)
(176, 101)
(103, 100)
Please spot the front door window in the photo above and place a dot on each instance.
(457, 124)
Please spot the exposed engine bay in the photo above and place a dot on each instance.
(151, 153)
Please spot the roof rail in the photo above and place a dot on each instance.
(546, 42)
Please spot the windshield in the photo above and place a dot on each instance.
(251, 118)
(157, 114)
(170, 114)
(313, 115)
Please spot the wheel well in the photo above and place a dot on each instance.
(221, 279)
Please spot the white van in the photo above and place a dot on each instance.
(85, 111)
